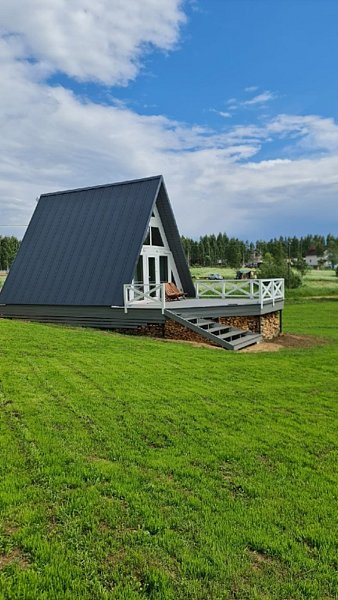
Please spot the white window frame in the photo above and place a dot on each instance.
(149, 251)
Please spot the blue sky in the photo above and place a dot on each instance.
(228, 46)
(234, 101)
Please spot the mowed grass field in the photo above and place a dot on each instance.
(315, 283)
(134, 468)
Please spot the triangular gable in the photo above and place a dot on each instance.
(174, 240)
(82, 245)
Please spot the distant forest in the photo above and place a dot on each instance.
(8, 249)
(232, 252)
(220, 249)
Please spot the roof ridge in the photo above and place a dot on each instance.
(103, 185)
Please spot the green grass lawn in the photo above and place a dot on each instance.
(134, 468)
(316, 283)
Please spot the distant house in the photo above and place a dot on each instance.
(315, 261)
(107, 256)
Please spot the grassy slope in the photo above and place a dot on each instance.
(135, 468)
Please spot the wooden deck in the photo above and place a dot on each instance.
(144, 307)
(266, 295)
(218, 307)
(212, 306)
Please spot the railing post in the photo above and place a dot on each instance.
(197, 289)
(125, 296)
(251, 283)
(163, 297)
(261, 292)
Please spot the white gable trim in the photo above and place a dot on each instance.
(149, 251)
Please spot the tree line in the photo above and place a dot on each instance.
(9, 245)
(212, 250)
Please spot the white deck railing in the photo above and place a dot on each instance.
(260, 290)
(147, 294)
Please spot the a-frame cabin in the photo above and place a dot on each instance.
(101, 256)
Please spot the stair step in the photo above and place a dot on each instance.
(200, 321)
(245, 341)
(233, 333)
(216, 328)
(230, 338)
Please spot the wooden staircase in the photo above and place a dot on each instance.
(230, 338)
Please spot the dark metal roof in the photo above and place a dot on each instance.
(82, 245)
(174, 240)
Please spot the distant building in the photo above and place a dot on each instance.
(315, 261)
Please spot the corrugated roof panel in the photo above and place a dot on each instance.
(174, 240)
(82, 245)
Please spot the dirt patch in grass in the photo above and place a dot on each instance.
(16, 557)
(286, 340)
(259, 559)
(10, 529)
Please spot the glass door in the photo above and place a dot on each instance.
(154, 267)
(152, 272)
(163, 267)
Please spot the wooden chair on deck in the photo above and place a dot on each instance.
(172, 292)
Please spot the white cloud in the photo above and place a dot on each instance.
(257, 101)
(99, 40)
(262, 98)
(221, 113)
(51, 139)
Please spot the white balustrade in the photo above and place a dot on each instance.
(259, 290)
(148, 294)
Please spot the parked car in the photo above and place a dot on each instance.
(215, 276)
(246, 274)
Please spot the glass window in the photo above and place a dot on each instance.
(152, 270)
(163, 269)
(139, 270)
(156, 239)
(147, 240)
